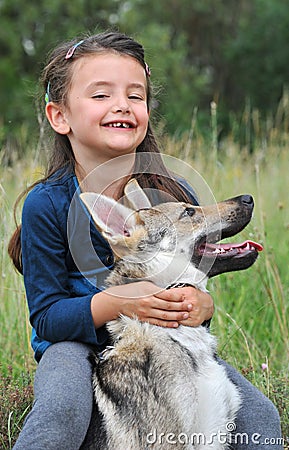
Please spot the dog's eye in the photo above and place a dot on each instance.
(189, 211)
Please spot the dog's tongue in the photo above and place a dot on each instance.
(246, 245)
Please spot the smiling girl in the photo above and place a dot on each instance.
(98, 98)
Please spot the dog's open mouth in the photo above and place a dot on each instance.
(228, 250)
(214, 259)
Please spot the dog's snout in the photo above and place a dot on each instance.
(247, 199)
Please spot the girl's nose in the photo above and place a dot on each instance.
(121, 105)
(121, 109)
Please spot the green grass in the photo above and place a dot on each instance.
(251, 317)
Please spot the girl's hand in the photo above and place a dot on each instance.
(148, 302)
(202, 306)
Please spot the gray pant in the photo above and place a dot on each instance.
(63, 404)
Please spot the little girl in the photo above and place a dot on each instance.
(98, 97)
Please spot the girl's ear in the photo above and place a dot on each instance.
(56, 118)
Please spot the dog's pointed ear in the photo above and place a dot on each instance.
(135, 196)
(114, 220)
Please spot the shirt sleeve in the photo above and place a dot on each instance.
(54, 313)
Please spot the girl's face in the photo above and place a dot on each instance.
(107, 113)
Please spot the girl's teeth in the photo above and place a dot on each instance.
(119, 125)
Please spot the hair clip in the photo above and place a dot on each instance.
(71, 51)
(47, 99)
(148, 70)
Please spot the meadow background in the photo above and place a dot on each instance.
(220, 73)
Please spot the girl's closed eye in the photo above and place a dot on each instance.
(100, 96)
(136, 97)
(136, 92)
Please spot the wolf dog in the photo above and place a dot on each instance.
(155, 387)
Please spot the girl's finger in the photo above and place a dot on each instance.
(162, 323)
(171, 295)
(172, 305)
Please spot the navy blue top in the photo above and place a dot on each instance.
(65, 262)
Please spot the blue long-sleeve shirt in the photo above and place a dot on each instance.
(65, 262)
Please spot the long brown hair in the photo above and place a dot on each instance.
(56, 81)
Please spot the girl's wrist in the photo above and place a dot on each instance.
(104, 307)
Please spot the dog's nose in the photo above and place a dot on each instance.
(247, 199)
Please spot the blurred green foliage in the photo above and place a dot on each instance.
(234, 52)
